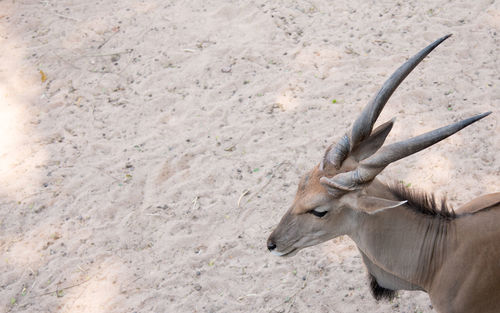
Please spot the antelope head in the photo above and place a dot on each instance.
(339, 185)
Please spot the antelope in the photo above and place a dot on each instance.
(407, 239)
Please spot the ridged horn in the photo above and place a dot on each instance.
(363, 125)
(370, 167)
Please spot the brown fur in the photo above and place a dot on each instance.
(422, 202)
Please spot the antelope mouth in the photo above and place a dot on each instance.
(286, 254)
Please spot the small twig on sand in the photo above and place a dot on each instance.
(289, 299)
(124, 288)
(77, 298)
(32, 286)
(65, 61)
(273, 174)
(58, 290)
(245, 192)
(46, 3)
(195, 202)
(105, 54)
(106, 41)
(292, 297)
(66, 17)
(106, 173)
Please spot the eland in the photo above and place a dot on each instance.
(407, 239)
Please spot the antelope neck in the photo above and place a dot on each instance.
(402, 249)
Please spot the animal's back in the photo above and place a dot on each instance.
(470, 279)
(483, 202)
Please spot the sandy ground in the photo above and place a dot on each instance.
(131, 129)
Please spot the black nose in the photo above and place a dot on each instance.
(270, 245)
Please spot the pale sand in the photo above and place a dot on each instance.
(121, 173)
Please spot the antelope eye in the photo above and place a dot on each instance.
(318, 213)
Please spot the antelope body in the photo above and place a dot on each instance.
(406, 239)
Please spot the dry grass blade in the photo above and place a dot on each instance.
(244, 193)
(58, 290)
(273, 174)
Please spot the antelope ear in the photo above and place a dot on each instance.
(368, 204)
(374, 205)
